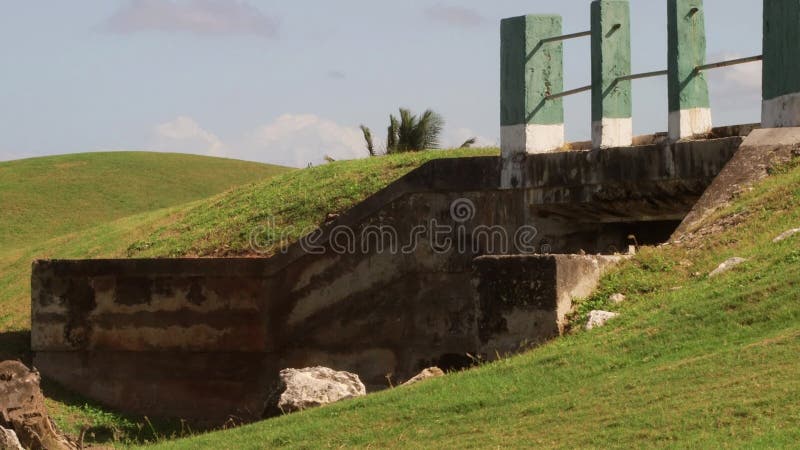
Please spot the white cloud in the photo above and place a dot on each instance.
(291, 140)
(184, 135)
(736, 86)
(212, 17)
(299, 139)
(455, 15)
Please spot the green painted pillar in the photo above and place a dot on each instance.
(689, 105)
(612, 123)
(781, 77)
(530, 70)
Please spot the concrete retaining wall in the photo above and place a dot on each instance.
(204, 339)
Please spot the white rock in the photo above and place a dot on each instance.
(599, 318)
(430, 372)
(786, 235)
(9, 440)
(726, 266)
(317, 386)
(617, 298)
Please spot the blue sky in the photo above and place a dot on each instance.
(289, 82)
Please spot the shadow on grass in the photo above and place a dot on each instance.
(16, 345)
(101, 424)
(75, 413)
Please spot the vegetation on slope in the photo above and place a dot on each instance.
(284, 207)
(692, 361)
(41, 198)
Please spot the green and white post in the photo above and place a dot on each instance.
(530, 71)
(781, 82)
(689, 104)
(612, 122)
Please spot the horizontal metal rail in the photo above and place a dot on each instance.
(657, 73)
(637, 76)
(569, 92)
(731, 62)
(567, 36)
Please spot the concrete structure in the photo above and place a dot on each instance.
(781, 84)
(689, 104)
(762, 150)
(612, 123)
(530, 70)
(205, 338)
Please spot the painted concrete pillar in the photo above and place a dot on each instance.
(781, 83)
(530, 71)
(612, 123)
(689, 104)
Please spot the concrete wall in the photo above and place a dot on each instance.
(203, 339)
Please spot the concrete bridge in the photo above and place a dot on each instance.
(472, 255)
(205, 338)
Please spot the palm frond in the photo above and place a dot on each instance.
(368, 137)
(469, 142)
(392, 137)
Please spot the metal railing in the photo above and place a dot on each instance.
(565, 37)
(657, 73)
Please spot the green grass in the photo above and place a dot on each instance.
(289, 206)
(691, 362)
(41, 198)
(202, 227)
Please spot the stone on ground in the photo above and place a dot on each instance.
(617, 298)
(786, 235)
(598, 319)
(317, 386)
(9, 440)
(22, 409)
(430, 372)
(726, 266)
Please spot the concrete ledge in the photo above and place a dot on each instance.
(761, 150)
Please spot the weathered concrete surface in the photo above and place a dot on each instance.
(204, 339)
(525, 299)
(612, 110)
(762, 150)
(689, 102)
(781, 86)
(530, 71)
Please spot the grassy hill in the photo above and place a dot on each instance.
(693, 361)
(46, 197)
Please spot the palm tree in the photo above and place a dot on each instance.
(411, 133)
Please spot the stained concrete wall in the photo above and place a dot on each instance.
(202, 339)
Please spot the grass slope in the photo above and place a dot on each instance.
(203, 226)
(41, 198)
(692, 361)
(289, 206)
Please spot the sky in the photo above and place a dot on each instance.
(289, 82)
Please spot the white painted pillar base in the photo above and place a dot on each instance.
(516, 141)
(779, 112)
(687, 123)
(531, 138)
(611, 133)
